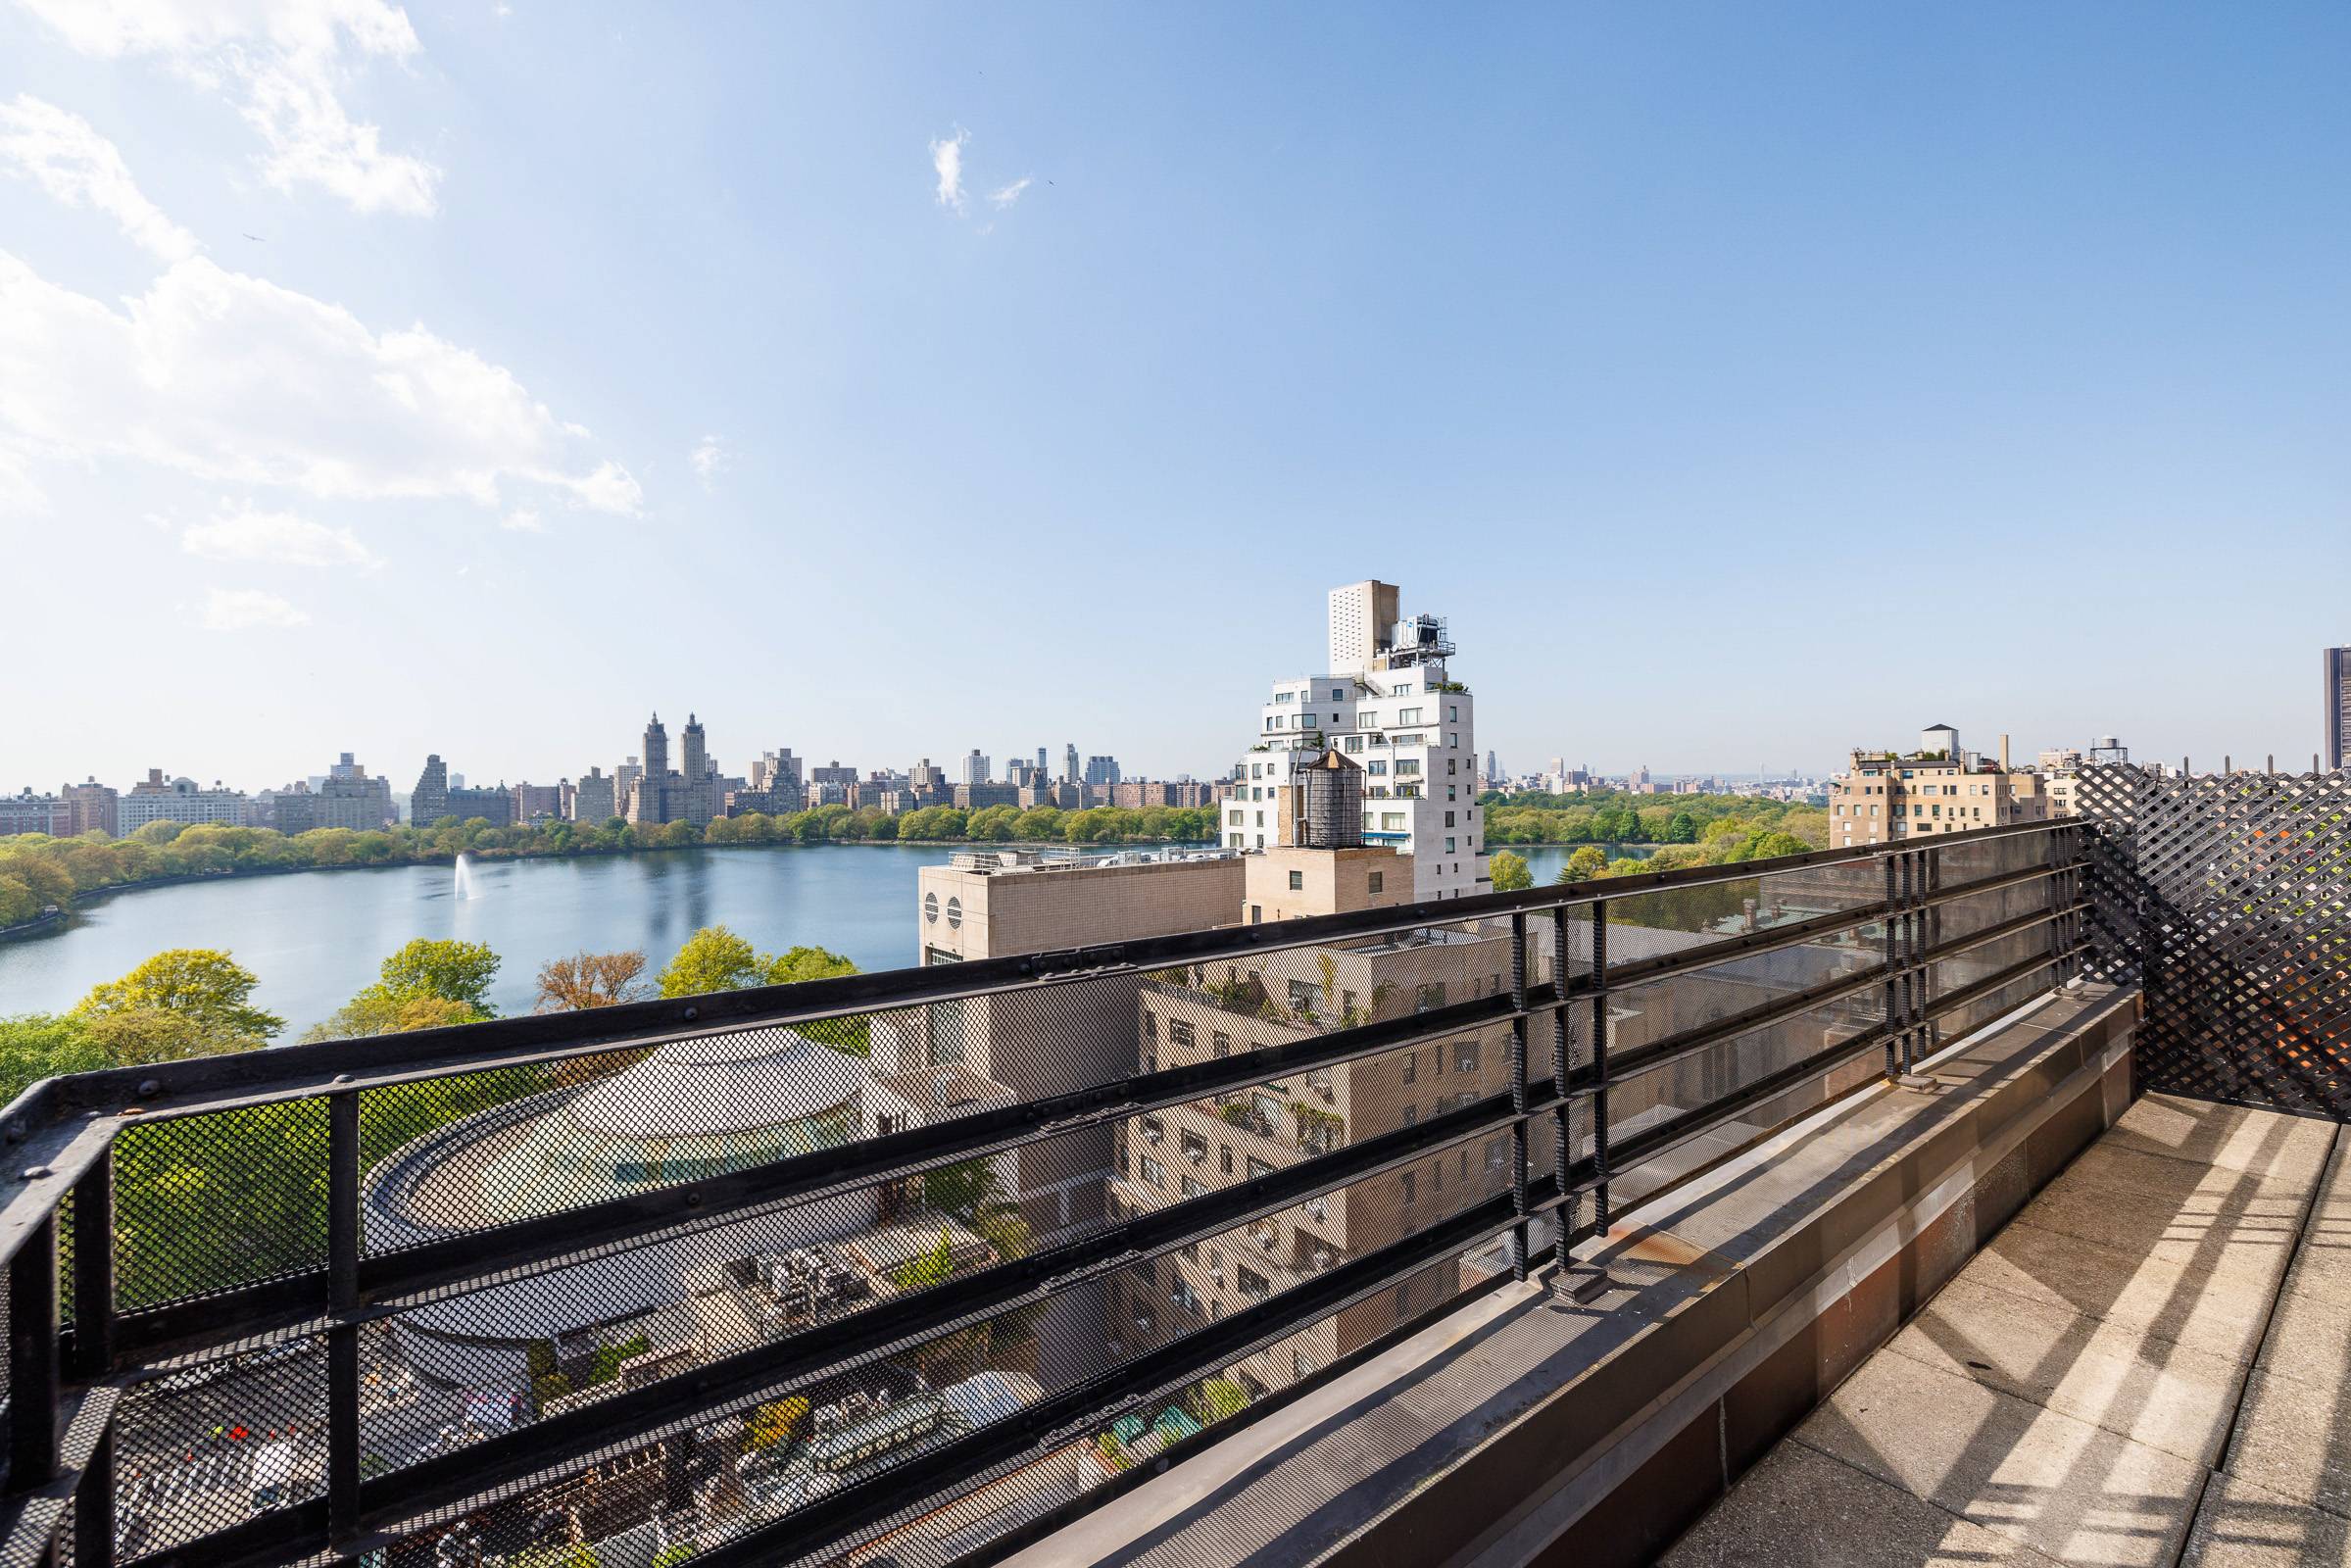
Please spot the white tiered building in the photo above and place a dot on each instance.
(1389, 704)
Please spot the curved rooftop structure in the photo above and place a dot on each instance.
(689, 1109)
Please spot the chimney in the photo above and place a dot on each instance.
(2003, 751)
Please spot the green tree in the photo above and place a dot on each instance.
(453, 971)
(1583, 866)
(933, 1267)
(41, 1044)
(202, 988)
(1682, 829)
(714, 958)
(1510, 872)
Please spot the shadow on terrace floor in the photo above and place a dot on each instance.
(2149, 1365)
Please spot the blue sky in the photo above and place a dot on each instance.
(1693, 361)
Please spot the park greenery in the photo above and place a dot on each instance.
(1608, 817)
(38, 872)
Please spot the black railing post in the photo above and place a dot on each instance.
(1889, 947)
(1931, 935)
(1518, 1094)
(94, 1270)
(93, 1353)
(343, 1337)
(33, 1382)
(1599, 1066)
(1563, 1070)
(1910, 955)
(94, 1496)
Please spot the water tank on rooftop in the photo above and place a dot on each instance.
(1330, 809)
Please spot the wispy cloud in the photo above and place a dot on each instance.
(63, 154)
(282, 64)
(523, 520)
(247, 610)
(244, 532)
(1005, 195)
(235, 380)
(947, 162)
(709, 459)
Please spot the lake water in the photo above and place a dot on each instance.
(315, 938)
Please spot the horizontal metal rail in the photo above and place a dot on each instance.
(402, 1279)
(62, 1130)
(563, 1442)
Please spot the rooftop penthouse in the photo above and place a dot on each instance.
(1971, 1195)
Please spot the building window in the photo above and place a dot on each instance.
(1224, 1159)
(1192, 1188)
(1298, 881)
(930, 908)
(1411, 1117)
(1465, 1056)
(1379, 882)
(1220, 1045)
(1411, 1066)
(1153, 1172)
(1428, 996)
(1411, 1189)
(954, 914)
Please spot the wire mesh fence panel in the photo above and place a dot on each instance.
(209, 1202)
(799, 1263)
(211, 1443)
(2225, 895)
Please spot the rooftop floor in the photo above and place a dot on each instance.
(2150, 1364)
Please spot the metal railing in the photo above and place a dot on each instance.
(124, 1339)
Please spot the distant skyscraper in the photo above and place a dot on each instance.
(1041, 773)
(1388, 705)
(656, 749)
(1494, 769)
(975, 768)
(592, 798)
(2337, 730)
(1069, 764)
(1103, 770)
(428, 802)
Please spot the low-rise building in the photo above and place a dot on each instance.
(156, 798)
(28, 812)
(93, 807)
(1889, 796)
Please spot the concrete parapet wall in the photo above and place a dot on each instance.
(1522, 1430)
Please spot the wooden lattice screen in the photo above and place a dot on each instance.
(2224, 896)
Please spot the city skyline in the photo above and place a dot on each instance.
(1994, 323)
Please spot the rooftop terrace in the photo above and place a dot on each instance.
(1657, 1198)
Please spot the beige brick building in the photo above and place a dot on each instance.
(1213, 1010)
(992, 904)
(1887, 797)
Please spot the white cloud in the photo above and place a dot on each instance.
(1007, 195)
(523, 520)
(19, 495)
(246, 533)
(283, 62)
(947, 162)
(709, 459)
(63, 154)
(236, 380)
(246, 609)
